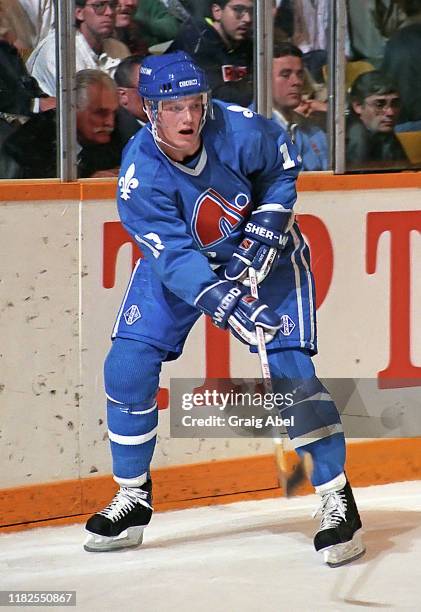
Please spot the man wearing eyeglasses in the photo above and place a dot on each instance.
(222, 46)
(95, 48)
(31, 151)
(374, 113)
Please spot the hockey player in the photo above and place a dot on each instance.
(207, 191)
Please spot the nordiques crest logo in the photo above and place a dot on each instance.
(214, 217)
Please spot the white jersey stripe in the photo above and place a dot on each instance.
(310, 297)
(298, 286)
(123, 303)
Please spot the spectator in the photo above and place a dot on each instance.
(94, 48)
(198, 9)
(370, 137)
(33, 146)
(40, 14)
(310, 34)
(15, 25)
(371, 23)
(180, 9)
(130, 115)
(288, 83)
(401, 63)
(18, 93)
(127, 30)
(311, 22)
(17, 88)
(224, 49)
(156, 23)
(283, 21)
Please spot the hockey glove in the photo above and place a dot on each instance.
(229, 306)
(265, 236)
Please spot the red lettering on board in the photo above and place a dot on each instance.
(115, 236)
(321, 251)
(400, 372)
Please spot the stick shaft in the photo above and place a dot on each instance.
(267, 381)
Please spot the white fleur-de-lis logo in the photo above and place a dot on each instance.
(128, 182)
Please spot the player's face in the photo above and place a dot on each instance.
(125, 12)
(95, 122)
(234, 21)
(379, 113)
(97, 17)
(287, 81)
(178, 125)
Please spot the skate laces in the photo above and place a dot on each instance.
(332, 509)
(125, 500)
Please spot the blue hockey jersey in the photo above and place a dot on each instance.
(188, 219)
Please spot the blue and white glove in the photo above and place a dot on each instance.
(264, 238)
(229, 306)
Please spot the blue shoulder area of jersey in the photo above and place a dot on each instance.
(246, 120)
(269, 121)
(258, 148)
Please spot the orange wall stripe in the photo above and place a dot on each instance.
(201, 484)
(26, 191)
(99, 189)
(326, 181)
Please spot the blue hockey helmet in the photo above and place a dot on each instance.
(171, 76)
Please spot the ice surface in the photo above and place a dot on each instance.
(243, 557)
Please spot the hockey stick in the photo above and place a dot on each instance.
(304, 468)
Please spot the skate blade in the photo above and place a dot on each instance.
(133, 536)
(340, 554)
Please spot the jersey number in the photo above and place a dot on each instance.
(288, 162)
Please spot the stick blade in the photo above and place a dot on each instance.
(302, 472)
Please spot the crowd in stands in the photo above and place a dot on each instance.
(382, 48)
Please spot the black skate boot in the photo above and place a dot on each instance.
(339, 537)
(121, 523)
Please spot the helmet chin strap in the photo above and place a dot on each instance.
(157, 138)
